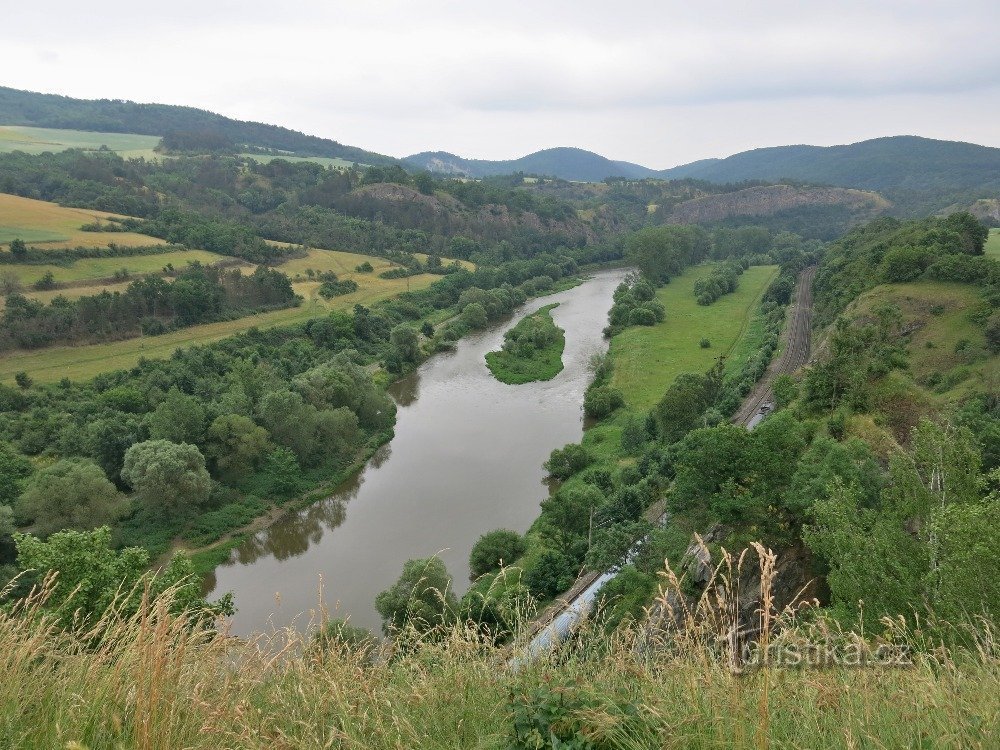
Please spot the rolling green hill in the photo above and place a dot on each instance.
(919, 174)
(566, 163)
(119, 116)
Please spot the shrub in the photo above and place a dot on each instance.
(601, 401)
(494, 549)
(704, 343)
(567, 461)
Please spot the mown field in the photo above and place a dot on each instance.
(82, 362)
(39, 140)
(49, 225)
(647, 359)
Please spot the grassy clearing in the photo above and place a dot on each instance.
(48, 225)
(340, 263)
(948, 344)
(152, 681)
(39, 140)
(515, 366)
(83, 362)
(88, 269)
(326, 161)
(993, 243)
(647, 359)
(467, 265)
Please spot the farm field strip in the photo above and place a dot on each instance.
(79, 272)
(34, 140)
(648, 358)
(82, 362)
(50, 225)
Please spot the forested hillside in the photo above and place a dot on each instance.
(565, 163)
(187, 126)
(921, 175)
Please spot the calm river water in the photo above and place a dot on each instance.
(466, 458)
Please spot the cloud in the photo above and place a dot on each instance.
(403, 76)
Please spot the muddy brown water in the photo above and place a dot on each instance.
(466, 458)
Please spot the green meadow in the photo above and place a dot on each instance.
(39, 140)
(648, 358)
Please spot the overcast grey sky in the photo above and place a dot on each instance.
(655, 82)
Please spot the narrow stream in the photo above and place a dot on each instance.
(466, 458)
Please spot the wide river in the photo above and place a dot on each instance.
(466, 458)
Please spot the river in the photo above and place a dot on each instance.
(466, 458)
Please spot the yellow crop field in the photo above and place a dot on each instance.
(83, 362)
(341, 263)
(48, 225)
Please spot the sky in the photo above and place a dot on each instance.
(656, 82)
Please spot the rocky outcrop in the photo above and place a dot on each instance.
(987, 210)
(767, 200)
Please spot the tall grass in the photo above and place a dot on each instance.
(686, 678)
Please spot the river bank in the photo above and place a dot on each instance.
(466, 458)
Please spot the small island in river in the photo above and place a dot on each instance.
(532, 350)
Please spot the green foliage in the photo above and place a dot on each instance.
(284, 476)
(169, 479)
(551, 716)
(405, 342)
(179, 418)
(551, 573)
(724, 279)
(493, 550)
(683, 405)
(568, 460)
(532, 350)
(422, 598)
(920, 543)
(236, 445)
(894, 251)
(92, 576)
(785, 391)
(72, 493)
(14, 470)
(663, 252)
(338, 287)
(600, 402)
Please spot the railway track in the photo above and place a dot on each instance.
(796, 352)
(558, 620)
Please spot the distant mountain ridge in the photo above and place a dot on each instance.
(919, 175)
(903, 162)
(565, 162)
(119, 116)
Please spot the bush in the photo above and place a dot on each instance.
(567, 461)
(705, 343)
(641, 316)
(550, 574)
(329, 289)
(601, 401)
(365, 267)
(493, 550)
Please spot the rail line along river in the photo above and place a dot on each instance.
(466, 458)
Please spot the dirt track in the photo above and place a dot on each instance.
(796, 337)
